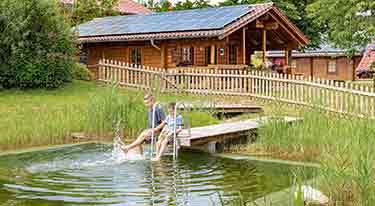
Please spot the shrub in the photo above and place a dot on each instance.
(81, 72)
(36, 45)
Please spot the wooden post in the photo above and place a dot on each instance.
(162, 53)
(213, 54)
(353, 69)
(244, 45)
(286, 56)
(264, 47)
(311, 67)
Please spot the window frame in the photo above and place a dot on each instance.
(187, 54)
(140, 53)
(183, 55)
(329, 66)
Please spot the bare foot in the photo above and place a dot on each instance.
(155, 159)
(125, 149)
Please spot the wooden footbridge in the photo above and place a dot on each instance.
(222, 108)
(205, 138)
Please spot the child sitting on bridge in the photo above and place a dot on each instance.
(170, 126)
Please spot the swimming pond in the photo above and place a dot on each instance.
(91, 174)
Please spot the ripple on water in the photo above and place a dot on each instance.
(96, 174)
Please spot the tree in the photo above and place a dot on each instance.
(86, 10)
(187, 4)
(349, 24)
(183, 5)
(37, 48)
(164, 6)
(295, 10)
(151, 4)
(199, 4)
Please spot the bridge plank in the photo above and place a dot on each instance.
(220, 130)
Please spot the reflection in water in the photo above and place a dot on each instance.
(90, 174)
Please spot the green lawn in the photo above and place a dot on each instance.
(48, 117)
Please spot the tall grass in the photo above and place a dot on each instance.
(40, 117)
(109, 107)
(344, 146)
(40, 125)
(49, 124)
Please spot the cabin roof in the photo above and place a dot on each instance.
(123, 6)
(131, 7)
(368, 58)
(186, 20)
(324, 50)
(208, 22)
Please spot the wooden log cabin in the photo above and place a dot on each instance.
(219, 37)
(325, 62)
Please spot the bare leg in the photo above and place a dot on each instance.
(138, 149)
(158, 146)
(161, 151)
(138, 141)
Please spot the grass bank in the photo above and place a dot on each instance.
(48, 117)
(342, 145)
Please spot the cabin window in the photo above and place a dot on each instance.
(221, 51)
(183, 56)
(232, 54)
(83, 58)
(332, 68)
(187, 55)
(135, 56)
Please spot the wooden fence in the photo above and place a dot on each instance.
(329, 95)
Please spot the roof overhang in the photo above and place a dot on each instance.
(149, 36)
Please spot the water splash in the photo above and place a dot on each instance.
(83, 158)
(118, 156)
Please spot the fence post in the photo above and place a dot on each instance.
(372, 103)
(100, 69)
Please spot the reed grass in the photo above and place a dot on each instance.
(49, 117)
(343, 145)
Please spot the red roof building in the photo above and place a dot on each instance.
(123, 6)
(367, 59)
(131, 7)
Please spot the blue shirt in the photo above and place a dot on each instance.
(170, 123)
(159, 117)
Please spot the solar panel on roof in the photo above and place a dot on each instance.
(198, 19)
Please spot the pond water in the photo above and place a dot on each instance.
(90, 174)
